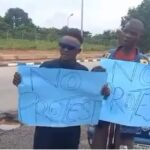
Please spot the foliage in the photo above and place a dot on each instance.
(17, 26)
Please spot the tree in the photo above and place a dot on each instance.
(16, 17)
(53, 34)
(109, 34)
(63, 30)
(142, 13)
(4, 28)
(3, 25)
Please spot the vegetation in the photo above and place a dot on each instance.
(44, 45)
(17, 31)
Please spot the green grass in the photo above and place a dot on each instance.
(42, 45)
(26, 44)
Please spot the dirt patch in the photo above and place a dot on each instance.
(25, 55)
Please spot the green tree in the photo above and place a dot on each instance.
(3, 25)
(16, 17)
(4, 28)
(53, 34)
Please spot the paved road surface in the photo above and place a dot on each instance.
(8, 92)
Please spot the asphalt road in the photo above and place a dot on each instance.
(8, 92)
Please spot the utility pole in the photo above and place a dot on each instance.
(82, 11)
(68, 18)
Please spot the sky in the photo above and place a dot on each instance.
(99, 15)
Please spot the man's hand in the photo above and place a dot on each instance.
(17, 79)
(105, 91)
(98, 69)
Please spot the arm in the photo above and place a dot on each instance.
(17, 79)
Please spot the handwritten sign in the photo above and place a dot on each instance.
(129, 102)
(59, 97)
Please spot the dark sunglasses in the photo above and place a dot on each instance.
(66, 46)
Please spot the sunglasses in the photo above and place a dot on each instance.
(67, 47)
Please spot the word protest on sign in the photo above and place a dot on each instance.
(129, 102)
(59, 97)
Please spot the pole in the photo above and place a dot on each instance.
(14, 23)
(82, 7)
(68, 19)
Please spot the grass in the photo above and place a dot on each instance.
(26, 44)
(43, 45)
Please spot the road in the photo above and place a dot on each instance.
(8, 92)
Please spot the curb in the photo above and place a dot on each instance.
(38, 63)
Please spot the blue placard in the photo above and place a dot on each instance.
(129, 102)
(59, 97)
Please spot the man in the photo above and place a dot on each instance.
(67, 137)
(109, 135)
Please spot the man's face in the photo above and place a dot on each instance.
(131, 35)
(69, 48)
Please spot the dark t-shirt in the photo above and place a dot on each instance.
(58, 137)
(57, 63)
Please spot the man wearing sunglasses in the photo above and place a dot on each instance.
(68, 137)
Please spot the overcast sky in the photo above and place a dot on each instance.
(99, 15)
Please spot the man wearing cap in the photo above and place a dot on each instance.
(59, 137)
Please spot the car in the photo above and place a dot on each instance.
(141, 137)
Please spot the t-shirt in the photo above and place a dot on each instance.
(131, 56)
(57, 63)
